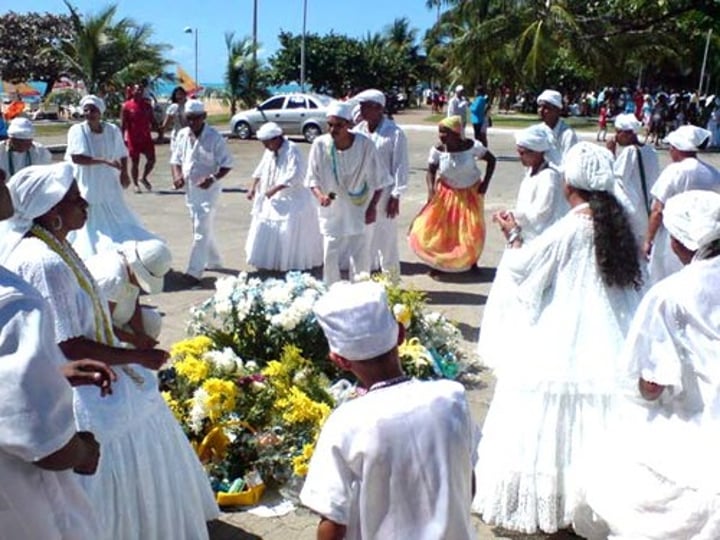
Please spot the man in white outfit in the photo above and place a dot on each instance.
(200, 159)
(458, 105)
(19, 150)
(550, 106)
(345, 175)
(392, 150)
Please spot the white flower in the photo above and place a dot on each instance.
(361, 276)
(251, 365)
(198, 411)
(226, 360)
(280, 293)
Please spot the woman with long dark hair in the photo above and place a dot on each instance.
(573, 291)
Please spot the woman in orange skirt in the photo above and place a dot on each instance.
(449, 232)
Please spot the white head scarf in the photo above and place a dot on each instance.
(340, 109)
(533, 138)
(268, 131)
(34, 191)
(627, 122)
(688, 138)
(95, 101)
(194, 106)
(373, 95)
(693, 218)
(551, 97)
(20, 128)
(588, 166)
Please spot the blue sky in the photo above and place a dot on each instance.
(214, 17)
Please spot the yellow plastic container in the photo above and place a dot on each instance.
(243, 498)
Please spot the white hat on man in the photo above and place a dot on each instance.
(149, 260)
(551, 97)
(20, 128)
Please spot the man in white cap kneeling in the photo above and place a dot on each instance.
(199, 161)
(550, 107)
(392, 149)
(685, 173)
(396, 462)
(345, 175)
(19, 150)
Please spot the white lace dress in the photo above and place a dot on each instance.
(149, 483)
(556, 377)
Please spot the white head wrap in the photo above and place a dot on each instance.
(341, 109)
(459, 88)
(20, 128)
(627, 122)
(268, 131)
(693, 218)
(97, 102)
(551, 97)
(356, 320)
(373, 95)
(194, 106)
(34, 191)
(533, 138)
(590, 167)
(149, 260)
(688, 138)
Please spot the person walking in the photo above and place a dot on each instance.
(199, 161)
(458, 105)
(136, 117)
(479, 115)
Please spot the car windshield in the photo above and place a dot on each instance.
(324, 100)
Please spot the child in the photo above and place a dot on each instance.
(602, 122)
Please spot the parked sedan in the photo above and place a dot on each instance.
(297, 114)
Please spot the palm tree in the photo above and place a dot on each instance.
(245, 78)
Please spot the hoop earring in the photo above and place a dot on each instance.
(57, 225)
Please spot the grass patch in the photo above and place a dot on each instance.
(55, 128)
(219, 119)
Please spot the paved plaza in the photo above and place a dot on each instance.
(460, 296)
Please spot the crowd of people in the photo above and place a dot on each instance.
(600, 326)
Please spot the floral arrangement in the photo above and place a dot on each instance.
(253, 385)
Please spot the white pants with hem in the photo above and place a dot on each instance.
(202, 205)
(355, 246)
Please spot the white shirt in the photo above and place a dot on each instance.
(562, 138)
(540, 201)
(458, 106)
(36, 420)
(397, 464)
(110, 271)
(458, 169)
(681, 176)
(347, 173)
(201, 156)
(12, 162)
(629, 181)
(392, 148)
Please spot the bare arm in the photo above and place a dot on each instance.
(329, 530)
(430, 178)
(80, 453)
(650, 390)
(654, 222)
(80, 347)
(490, 160)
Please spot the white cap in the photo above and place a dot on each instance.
(590, 167)
(149, 260)
(194, 106)
(551, 97)
(372, 95)
(535, 138)
(356, 320)
(268, 131)
(688, 138)
(693, 217)
(627, 122)
(20, 128)
(341, 109)
(95, 101)
(459, 88)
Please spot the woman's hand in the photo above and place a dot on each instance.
(84, 372)
(506, 221)
(152, 358)
(91, 455)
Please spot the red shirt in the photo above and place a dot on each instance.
(137, 119)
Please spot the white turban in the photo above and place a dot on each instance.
(356, 320)
(551, 97)
(589, 167)
(371, 95)
(194, 106)
(268, 131)
(20, 128)
(693, 218)
(340, 109)
(627, 122)
(534, 138)
(34, 191)
(459, 88)
(688, 138)
(97, 102)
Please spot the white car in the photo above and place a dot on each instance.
(296, 114)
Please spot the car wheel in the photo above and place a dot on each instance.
(310, 132)
(242, 130)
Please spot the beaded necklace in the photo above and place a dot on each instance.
(389, 382)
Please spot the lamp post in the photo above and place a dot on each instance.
(254, 31)
(302, 48)
(189, 30)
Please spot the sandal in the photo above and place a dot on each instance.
(147, 184)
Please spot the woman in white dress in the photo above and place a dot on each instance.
(284, 232)
(577, 287)
(149, 482)
(97, 150)
(656, 477)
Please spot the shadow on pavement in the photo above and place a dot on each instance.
(455, 298)
(469, 332)
(178, 281)
(220, 530)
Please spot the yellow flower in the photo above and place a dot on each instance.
(403, 314)
(221, 397)
(416, 351)
(196, 347)
(174, 406)
(192, 368)
(297, 408)
(300, 465)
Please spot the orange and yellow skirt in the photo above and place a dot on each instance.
(449, 232)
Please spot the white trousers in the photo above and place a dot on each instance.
(356, 248)
(204, 251)
(382, 240)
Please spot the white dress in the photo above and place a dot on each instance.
(149, 483)
(110, 220)
(557, 375)
(664, 453)
(540, 201)
(284, 233)
(36, 419)
(678, 177)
